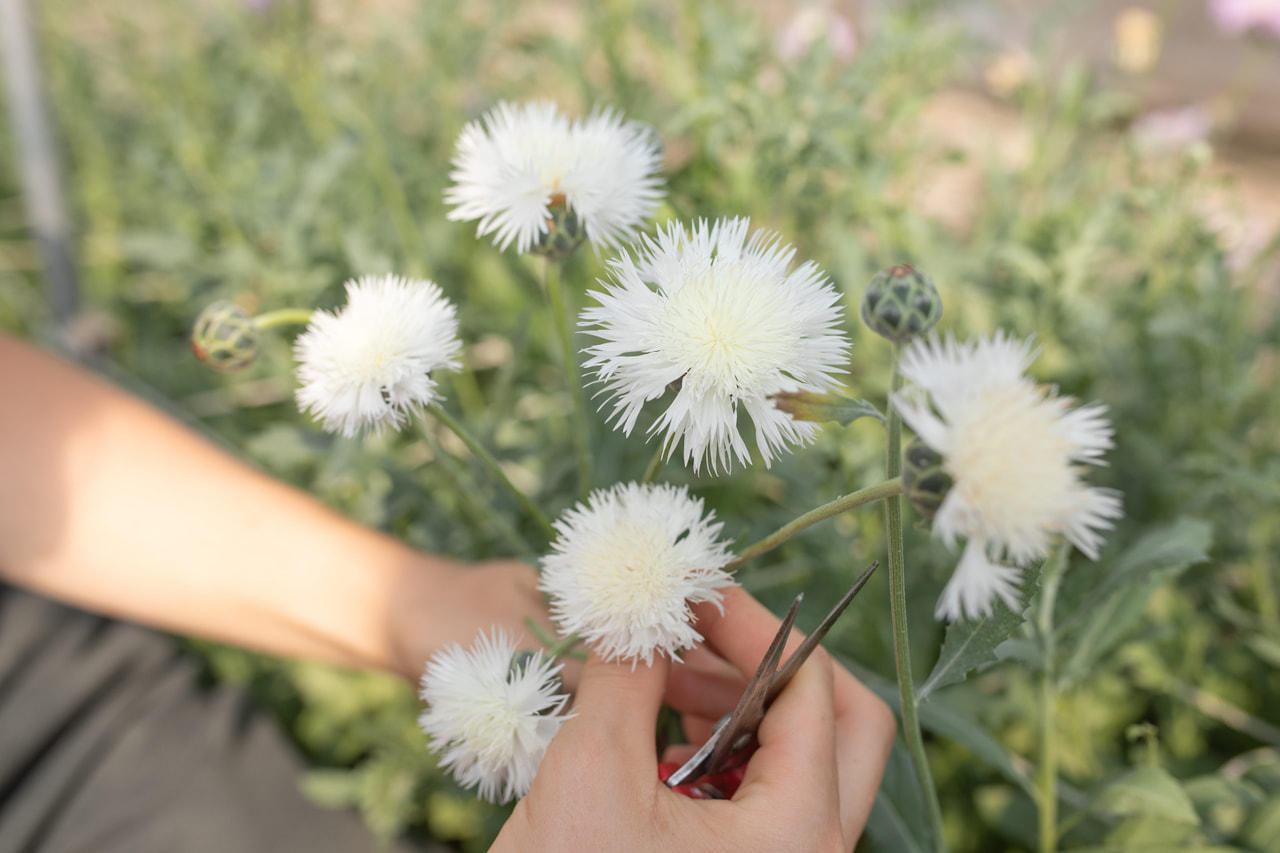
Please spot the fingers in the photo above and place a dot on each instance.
(865, 728)
(793, 768)
(704, 685)
(742, 634)
(619, 702)
(801, 721)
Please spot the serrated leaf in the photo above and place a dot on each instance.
(825, 408)
(941, 718)
(1150, 791)
(1109, 612)
(972, 644)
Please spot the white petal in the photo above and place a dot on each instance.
(717, 318)
(976, 584)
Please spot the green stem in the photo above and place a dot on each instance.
(880, 491)
(581, 436)
(486, 458)
(466, 489)
(283, 317)
(1047, 773)
(898, 609)
(562, 645)
(655, 464)
(539, 633)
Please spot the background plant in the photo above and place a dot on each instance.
(221, 153)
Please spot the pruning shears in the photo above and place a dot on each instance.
(715, 771)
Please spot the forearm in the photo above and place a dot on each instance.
(108, 504)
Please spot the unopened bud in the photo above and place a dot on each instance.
(901, 303)
(924, 481)
(831, 407)
(564, 234)
(225, 337)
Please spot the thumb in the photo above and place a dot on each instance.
(620, 700)
(796, 760)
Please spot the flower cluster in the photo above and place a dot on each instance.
(1013, 451)
(492, 717)
(720, 323)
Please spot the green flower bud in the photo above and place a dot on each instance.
(901, 303)
(924, 481)
(564, 232)
(225, 337)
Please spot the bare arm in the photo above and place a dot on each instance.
(107, 504)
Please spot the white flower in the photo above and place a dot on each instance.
(519, 161)
(625, 568)
(370, 363)
(491, 721)
(1014, 451)
(729, 322)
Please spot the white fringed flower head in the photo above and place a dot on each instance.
(625, 567)
(725, 319)
(1015, 453)
(369, 364)
(519, 161)
(491, 721)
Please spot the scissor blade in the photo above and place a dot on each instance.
(730, 726)
(812, 641)
(746, 718)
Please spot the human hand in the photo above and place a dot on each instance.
(809, 786)
(445, 601)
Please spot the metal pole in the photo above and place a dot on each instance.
(37, 160)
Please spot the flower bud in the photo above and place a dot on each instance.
(565, 232)
(901, 303)
(924, 481)
(225, 337)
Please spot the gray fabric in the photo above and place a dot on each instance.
(107, 744)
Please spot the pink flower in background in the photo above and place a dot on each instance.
(1236, 16)
(1169, 130)
(810, 24)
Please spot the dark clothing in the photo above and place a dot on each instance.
(109, 745)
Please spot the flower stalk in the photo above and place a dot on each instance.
(581, 433)
(898, 609)
(880, 491)
(1047, 774)
(486, 458)
(283, 317)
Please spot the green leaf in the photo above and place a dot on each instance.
(898, 813)
(941, 718)
(1150, 791)
(973, 643)
(1262, 830)
(823, 408)
(1107, 615)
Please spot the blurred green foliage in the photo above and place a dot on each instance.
(220, 153)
